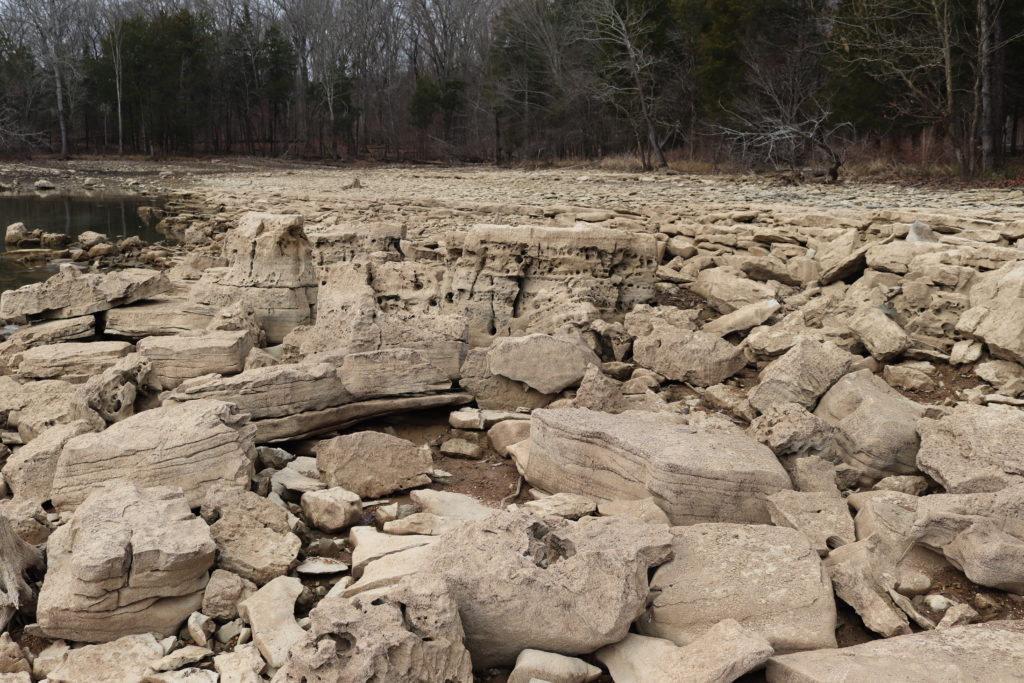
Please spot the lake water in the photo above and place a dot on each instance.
(113, 215)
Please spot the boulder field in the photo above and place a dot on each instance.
(626, 436)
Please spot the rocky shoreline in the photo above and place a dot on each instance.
(405, 425)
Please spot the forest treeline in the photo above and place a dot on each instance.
(769, 83)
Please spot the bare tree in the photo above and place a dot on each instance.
(54, 24)
(629, 79)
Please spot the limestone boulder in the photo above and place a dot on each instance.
(194, 446)
(332, 509)
(996, 313)
(271, 613)
(723, 654)
(769, 579)
(177, 358)
(253, 535)
(410, 633)
(568, 587)
(125, 659)
(700, 358)
(71, 293)
(801, 375)
(130, 561)
(819, 516)
(974, 448)
(373, 464)
(983, 652)
(495, 392)
(29, 471)
(880, 334)
(270, 271)
(982, 534)
(549, 666)
(390, 372)
(694, 475)
(72, 361)
(112, 393)
(876, 427)
(789, 430)
(223, 593)
(542, 362)
(728, 289)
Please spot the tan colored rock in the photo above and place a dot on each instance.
(370, 545)
(332, 509)
(876, 427)
(724, 653)
(549, 666)
(495, 392)
(769, 579)
(130, 561)
(699, 358)
(880, 334)
(801, 375)
(743, 318)
(567, 505)
(223, 593)
(125, 659)
(112, 393)
(818, 516)
(195, 446)
(244, 665)
(693, 475)
(270, 271)
(542, 362)
(29, 471)
(410, 633)
(253, 535)
(974, 448)
(996, 316)
(271, 613)
(180, 357)
(389, 372)
(71, 293)
(504, 434)
(72, 361)
(728, 289)
(788, 429)
(372, 464)
(983, 652)
(577, 585)
(643, 510)
(982, 534)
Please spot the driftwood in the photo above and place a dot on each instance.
(16, 558)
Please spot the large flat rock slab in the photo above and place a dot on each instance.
(982, 652)
(769, 579)
(194, 446)
(694, 475)
(71, 293)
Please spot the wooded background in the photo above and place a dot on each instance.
(762, 83)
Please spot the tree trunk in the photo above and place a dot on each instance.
(58, 81)
(16, 556)
(984, 109)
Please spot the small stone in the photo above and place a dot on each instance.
(319, 566)
(938, 603)
(461, 448)
(200, 628)
(332, 509)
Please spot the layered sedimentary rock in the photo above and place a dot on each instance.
(194, 446)
(372, 464)
(270, 270)
(502, 271)
(305, 399)
(71, 293)
(876, 427)
(72, 361)
(177, 358)
(130, 561)
(695, 475)
(983, 652)
(346, 242)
